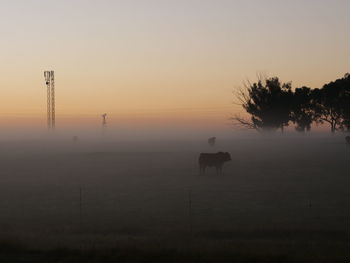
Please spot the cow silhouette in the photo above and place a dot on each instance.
(211, 141)
(216, 160)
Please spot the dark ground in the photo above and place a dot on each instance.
(279, 200)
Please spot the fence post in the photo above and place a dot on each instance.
(190, 209)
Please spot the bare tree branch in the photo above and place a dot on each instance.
(241, 122)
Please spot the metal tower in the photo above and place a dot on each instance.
(50, 84)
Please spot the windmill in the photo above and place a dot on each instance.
(104, 121)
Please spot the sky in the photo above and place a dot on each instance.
(161, 62)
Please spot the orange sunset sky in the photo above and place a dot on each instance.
(161, 62)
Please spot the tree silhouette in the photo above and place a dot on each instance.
(332, 104)
(268, 102)
(272, 105)
(302, 113)
(346, 118)
(345, 102)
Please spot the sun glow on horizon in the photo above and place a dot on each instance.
(161, 62)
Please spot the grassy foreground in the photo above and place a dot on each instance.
(200, 251)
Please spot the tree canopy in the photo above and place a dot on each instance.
(274, 105)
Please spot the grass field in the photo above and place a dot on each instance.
(279, 200)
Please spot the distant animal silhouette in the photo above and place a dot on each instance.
(212, 141)
(347, 139)
(216, 160)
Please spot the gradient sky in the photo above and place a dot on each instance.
(162, 61)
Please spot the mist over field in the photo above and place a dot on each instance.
(119, 131)
(285, 190)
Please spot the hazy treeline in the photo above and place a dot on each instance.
(273, 105)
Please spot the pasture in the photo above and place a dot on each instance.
(283, 198)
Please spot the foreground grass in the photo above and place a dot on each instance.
(201, 251)
(129, 255)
